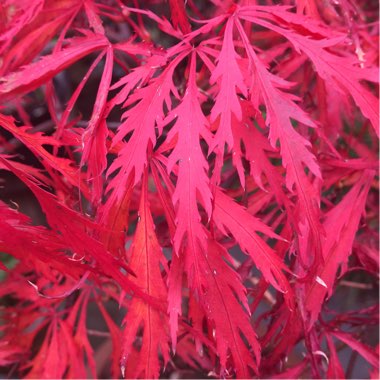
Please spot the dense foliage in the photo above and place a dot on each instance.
(200, 177)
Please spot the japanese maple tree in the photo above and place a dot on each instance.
(198, 176)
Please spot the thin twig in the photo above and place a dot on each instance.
(103, 334)
(357, 285)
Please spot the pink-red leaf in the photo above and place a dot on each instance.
(189, 126)
(229, 77)
(366, 352)
(145, 260)
(37, 73)
(244, 227)
(94, 137)
(341, 224)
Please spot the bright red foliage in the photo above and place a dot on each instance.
(221, 190)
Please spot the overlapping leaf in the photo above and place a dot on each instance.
(145, 260)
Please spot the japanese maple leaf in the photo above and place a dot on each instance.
(32, 40)
(77, 229)
(94, 137)
(225, 304)
(35, 74)
(256, 148)
(217, 287)
(35, 245)
(345, 72)
(189, 126)
(20, 15)
(281, 110)
(179, 16)
(145, 260)
(35, 142)
(51, 360)
(362, 349)
(232, 217)
(230, 78)
(335, 370)
(341, 224)
(142, 119)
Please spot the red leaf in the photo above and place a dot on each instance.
(179, 16)
(51, 360)
(35, 143)
(335, 370)
(366, 352)
(281, 109)
(35, 74)
(230, 78)
(341, 224)
(145, 260)
(221, 299)
(345, 73)
(142, 120)
(190, 125)
(19, 18)
(244, 227)
(94, 137)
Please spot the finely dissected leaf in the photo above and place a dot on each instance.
(208, 167)
(25, 49)
(75, 229)
(256, 148)
(116, 341)
(244, 227)
(217, 286)
(189, 237)
(281, 109)
(175, 277)
(345, 72)
(81, 359)
(51, 360)
(142, 120)
(24, 15)
(113, 217)
(94, 137)
(93, 17)
(341, 224)
(145, 260)
(230, 78)
(35, 143)
(212, 281)
(35, 74)
(189, 126)
(35, 245)
(221, 299)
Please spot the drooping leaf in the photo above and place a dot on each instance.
(281, 109)
(142, 120)
(230, 78)
(94, 137)
(229, 216)
(335, 370)
(145, 260)
(345, 72)
(366, 352)
(35, 74)
(341, 224)
(35, 143)
(190, 125)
